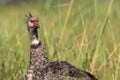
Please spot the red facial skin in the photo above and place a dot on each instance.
(35, 23)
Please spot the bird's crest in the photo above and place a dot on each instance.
(28, 16)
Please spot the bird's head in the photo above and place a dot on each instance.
(32, 21)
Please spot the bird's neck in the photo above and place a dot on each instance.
(33, 33)
(38, 57)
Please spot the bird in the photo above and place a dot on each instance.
(40, 68)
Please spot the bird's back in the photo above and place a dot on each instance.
(65, 70)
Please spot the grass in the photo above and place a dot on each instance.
(86, 34)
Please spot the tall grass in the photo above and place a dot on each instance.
(83, 33)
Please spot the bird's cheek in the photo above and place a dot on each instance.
(30, 24)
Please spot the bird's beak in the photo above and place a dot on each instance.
(35, 24)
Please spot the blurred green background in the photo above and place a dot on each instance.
(84, 33)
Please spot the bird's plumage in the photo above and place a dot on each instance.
(41, 69)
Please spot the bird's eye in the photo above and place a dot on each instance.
(32, 21)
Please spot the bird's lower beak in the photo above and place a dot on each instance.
(38, 26)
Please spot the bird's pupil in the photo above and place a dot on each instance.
(32, 21)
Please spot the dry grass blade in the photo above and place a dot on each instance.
(66, 20)
(111, 54)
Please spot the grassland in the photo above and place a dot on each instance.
(84, 33)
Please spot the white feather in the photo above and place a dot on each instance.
(35, 41)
